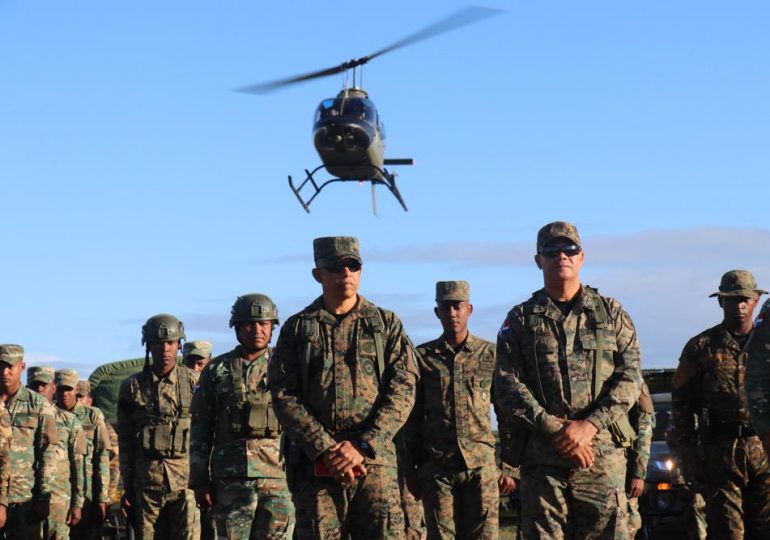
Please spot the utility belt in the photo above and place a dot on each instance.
(730, 430)
(251, 420)
(166, 439)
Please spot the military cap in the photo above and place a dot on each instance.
(83, 388)
(738, 283)
(557, 229)
(66, 377)
(453, 291)
(329, 250)
(42, 374)
(11, 354)
(196, 348)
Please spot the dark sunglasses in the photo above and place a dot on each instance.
(553, 251)
(353, 266)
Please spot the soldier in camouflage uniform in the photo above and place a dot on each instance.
(723, 454)
(68, 474)
(758, 375)
(568, 371)
(196, 354)
(343, 380)
(235, 460)
(32, 453)
(459, 479)
(154, 423)
(96, 470)
(642, 418)
(5, 466)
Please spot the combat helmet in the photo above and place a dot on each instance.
(162, 327)
(253, 307)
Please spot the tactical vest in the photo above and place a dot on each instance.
(247, 413)
(621, 430)
(310, 329)
(163, 435)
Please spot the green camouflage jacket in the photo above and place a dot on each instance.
(5, 452)
(454, 395)
(69, 466)
(146, 401)
(345, 399)
(32, 458)
(217, 452)
(545, 369)
(643, 423)
(97, 469)
(758, 371)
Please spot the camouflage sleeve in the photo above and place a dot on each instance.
(47, 437)
(621, 389)
(5, 454)
(685, 392)
(758, 371)
(101, 459)
(202, 429)
(409, 442)
(76, 447)
(396, 397)
(639, 453)
(114, 464)
(126, 434)
(515, 402)
(285, 380)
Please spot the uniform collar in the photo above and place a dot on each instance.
(362, 310)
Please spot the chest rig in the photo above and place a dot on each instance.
(164, 435)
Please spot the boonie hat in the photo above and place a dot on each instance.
(738, 283)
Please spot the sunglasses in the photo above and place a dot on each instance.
(552, 252)
(353, 266)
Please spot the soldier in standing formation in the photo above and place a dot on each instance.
(642, 418)
(196, 355)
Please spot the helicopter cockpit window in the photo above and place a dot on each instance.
(351, 108)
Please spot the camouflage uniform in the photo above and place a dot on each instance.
(96, 470)
(246, 468)
(547, 370)
(113, 491)
(5, 453)
(327, 387)
(32, 455)
(723, 453)
(642, 418)
(67, 475)
(154, 435)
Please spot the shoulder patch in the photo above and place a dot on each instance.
(505, 328)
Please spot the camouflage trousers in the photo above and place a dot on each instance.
(460, 504)
(694, 514)
(634, 517)
(589, 504)
(21, 523)
(738, 492)
(414, 515)
(367, 508)
(161, 515)
(253, 508)
(55, 527)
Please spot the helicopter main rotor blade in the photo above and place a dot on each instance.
(457, 20)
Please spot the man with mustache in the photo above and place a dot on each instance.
(722, 452)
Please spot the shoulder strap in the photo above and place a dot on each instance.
(376, 326)
(236, 374)
(597, 321)
(184, 392)
(309, 331)
(533, 321)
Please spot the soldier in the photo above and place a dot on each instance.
(5, 467)
(83, 393)
(568, 371)
(96, 472)
(723, 453)
(32, 452)
(459, 479)
(235, 461)
(67, 496)
(154, 436)
(758, 375)
(642, 418)
(343, 380)
(196, 354)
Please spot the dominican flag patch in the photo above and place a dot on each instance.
(759, 320)
(505, 328)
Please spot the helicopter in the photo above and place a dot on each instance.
(348, 132)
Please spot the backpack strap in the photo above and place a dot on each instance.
(184, 392)
(374, 324)
(597, 319)
(309, 331)
(533, 321)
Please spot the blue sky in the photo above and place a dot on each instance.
(134, 181)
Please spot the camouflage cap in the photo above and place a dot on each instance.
(66, 377)
(738, 283)
(453, 291)
(83, 388)
(196, 348)
(329, 250)
(43, 374)
(11, 354)
(557, 229)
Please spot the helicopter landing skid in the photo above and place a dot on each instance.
(389, 182)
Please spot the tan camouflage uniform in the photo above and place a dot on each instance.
(642, 417)
(5, 453)
(154, 459)
(246, 470)
(343, 397)
(724, 454)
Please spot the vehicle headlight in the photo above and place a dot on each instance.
(665, 464)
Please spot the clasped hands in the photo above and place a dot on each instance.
(575, 442)
(345, 461)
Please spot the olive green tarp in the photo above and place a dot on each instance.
(105, 384)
